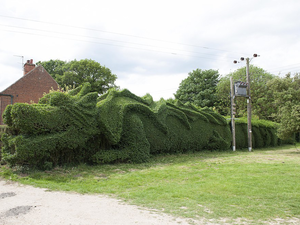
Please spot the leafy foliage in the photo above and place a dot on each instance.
(52, 132)
(75, 73)
(54, 67)
(141, 127)
(286, 92)
(3, 129)
(264, 133)
(199, 88)
(273, 98)
(118, 126)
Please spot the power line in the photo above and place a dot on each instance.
(115, 45)
(113, 40)
(298, 65)
(287, 70)
(116, 33)
(290, 69)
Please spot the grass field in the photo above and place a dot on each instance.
(257, 186)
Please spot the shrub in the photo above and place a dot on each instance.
(53, 132)
(2, 131)
(141, 126)
(118, 126)
(263, 133)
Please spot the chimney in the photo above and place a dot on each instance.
(28, 66)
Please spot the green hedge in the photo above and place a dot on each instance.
(79, 126)
(3, 129)
(53, 132)
(134, 128)
(263, 133)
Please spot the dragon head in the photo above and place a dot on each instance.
(55, 130)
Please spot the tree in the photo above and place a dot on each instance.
(54, 67)
(199, 88)
(286, 93)
(74, 73)
(261, 96)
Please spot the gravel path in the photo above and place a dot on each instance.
(21, 204)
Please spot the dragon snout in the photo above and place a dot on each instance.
(34, 119)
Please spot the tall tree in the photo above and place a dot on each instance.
(286, 93)
(75, 73)
(54, 67)
(261, 96)
(199, 88)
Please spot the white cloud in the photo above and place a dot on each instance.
(150, 45)
(158, 86)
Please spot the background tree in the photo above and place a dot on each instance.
(199, 88)
(54, 67)
(286, 92)
(261, 95)
(75, 73)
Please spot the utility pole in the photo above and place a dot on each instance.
(233, 111)
(249, 107)
(249, 125)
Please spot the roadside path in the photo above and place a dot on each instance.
(27, 205)
(20, 204)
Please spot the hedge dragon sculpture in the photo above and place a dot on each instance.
(79, 126)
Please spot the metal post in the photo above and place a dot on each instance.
(249, 107)
(232, 114)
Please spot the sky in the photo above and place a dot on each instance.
(151, 45)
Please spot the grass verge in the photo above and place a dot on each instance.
(256, 186)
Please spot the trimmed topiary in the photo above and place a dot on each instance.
(79, 126)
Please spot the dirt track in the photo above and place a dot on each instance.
(28, 205)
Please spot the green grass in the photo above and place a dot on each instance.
(256, 186)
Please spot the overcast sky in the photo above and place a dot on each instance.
(151, 45)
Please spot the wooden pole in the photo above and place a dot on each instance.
(249, 107)
(232, 114)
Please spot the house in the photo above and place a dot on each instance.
(29, 89)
